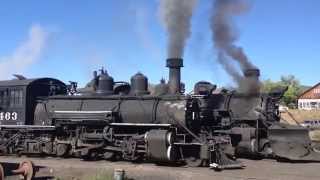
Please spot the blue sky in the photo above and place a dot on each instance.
(68, 39)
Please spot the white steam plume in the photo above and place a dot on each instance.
(27, 53)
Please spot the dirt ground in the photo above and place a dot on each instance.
(65, 169)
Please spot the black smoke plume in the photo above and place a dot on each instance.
(225, 37)
(176, 18)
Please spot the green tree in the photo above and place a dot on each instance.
(269, 85)
(291, 95)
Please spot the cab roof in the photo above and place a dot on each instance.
(27, 82)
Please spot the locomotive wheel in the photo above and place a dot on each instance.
(26, 170)
(192, 156)
(90, 154)
(193, 161)
(109, 155)
(1, 173)
(93, 155)
(62, 150)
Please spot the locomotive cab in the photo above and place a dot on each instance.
(18, 98)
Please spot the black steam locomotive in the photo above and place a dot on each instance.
(113, 120)
(119, 120)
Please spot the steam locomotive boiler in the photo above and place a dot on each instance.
(113, 120)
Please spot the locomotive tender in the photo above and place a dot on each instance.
(117, 119)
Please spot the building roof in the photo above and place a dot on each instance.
(308, 93)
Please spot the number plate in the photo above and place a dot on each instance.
(7, 116)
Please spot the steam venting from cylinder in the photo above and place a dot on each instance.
(224, 38)
(176, 18)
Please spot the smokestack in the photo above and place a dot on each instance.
(174, 65)
(252, 73)
(95, 74)
(176, 18)
(250, 83)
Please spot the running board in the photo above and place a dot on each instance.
(28, 127)
(140, 124)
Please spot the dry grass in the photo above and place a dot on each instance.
(295, 115)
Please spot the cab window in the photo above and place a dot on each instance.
(16, 97)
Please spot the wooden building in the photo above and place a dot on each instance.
(310, 99)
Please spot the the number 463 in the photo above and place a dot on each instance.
(8, 116)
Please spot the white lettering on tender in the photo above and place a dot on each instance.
(8, 116)
(14, 116)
